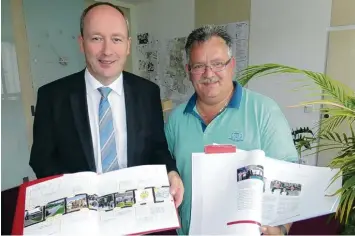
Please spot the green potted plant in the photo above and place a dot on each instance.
(338, 106)
(303, 138)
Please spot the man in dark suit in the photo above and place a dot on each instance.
(101, 118)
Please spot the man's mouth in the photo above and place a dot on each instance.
(106, 62)
(207, 81)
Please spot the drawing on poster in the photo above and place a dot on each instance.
(242, 30)
(143, 38)
(239, 31)
(163, 61)
(175, 79)
(148, 57)
(148, 65)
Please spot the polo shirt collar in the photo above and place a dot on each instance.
(233, 103)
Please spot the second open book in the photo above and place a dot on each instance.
(236, 193)
(133, 200)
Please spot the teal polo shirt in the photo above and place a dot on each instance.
(250, 121)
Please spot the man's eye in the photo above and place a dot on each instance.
(198, 66)
(117, 40)
(95, 39)
(218, 64)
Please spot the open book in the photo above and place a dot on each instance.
(236, 193)
(133, 200)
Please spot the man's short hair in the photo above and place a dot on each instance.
(86, 11)
(203, 34)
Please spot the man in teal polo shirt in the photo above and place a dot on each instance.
(221, 111)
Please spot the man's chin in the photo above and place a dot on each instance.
(211, 85)
(210, 97)
(110, 73)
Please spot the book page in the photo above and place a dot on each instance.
(61, 206)
(135, 200)
(128, 201)
(227, 193)
(295, 192)
(236, 193)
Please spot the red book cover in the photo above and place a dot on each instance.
(22, 217)
(19, 219)
(220, 148)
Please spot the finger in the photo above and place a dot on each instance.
(264, 229)
(173, 188)
(175, 194)
(176, 190)
(269, 230)
(178, 198)
(173, 184)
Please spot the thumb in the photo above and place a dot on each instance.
(263, 229)
(172, 190)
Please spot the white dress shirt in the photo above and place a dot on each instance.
(117, 104)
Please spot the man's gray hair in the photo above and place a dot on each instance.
(205, 33)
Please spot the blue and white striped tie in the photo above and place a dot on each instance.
(109, 159)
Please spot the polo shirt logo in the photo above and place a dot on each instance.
(237, 136)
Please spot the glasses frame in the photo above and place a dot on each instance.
(212, 68)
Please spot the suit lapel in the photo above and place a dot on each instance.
(131, 119)
(81, 117)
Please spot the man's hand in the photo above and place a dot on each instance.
(270, 230)
(274, 230)
(176, 187)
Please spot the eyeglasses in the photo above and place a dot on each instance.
(215, 67)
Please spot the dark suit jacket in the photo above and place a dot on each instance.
(62, 140)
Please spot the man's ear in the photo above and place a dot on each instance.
(81, 43)
(188, 71)
(233, 63)
(129, 45)
(187, 68)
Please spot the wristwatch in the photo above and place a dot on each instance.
(283, 230)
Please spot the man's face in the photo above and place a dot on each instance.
(211, 86)
(105, 43)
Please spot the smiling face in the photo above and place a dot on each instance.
(211, 87)
(105, 43)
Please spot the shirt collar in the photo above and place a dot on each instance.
(233, 103)
(93, 84)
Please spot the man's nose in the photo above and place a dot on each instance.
(208, 72)
(107, 49)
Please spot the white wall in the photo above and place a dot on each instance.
(166, 18)
(293, 33)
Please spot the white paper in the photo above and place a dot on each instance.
(236, 196)
(127, 201)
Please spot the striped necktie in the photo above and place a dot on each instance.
(109, 159)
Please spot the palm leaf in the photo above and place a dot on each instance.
(338, 102)
(348, 194)
(335, 89)
(329, 124)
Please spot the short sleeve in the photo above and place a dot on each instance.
(276, 136)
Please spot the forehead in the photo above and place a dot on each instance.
(215, 47)
(105, 20)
